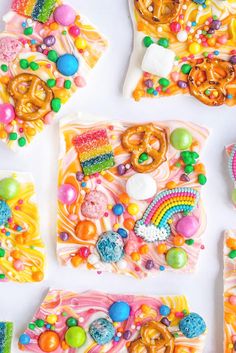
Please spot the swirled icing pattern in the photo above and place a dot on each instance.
(21, 248)
(192, 52)
(60, 52)
(61, 309)
(231, 154)
(229, 291)
(83, 229)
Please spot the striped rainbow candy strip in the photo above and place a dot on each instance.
(6, 331)
(154, 225)
(38, 10)
(232, 163)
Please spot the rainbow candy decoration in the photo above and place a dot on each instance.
(232, 163)
(95, 151)
(154, 225)
(38, 10)
(6, 331)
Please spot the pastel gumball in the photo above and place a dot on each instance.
(67, 194)
(7, 113)
(18, 265)
(64, 15)
(187, 226)
(141, 186)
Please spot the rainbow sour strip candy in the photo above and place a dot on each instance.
(154, 225)
(39, 10)
(95, 151)
(6, 330)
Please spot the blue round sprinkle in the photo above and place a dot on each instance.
(67, 64)
(229, 96)
(116, 339)
(192, 325)
(118, 209)
(119, 311)
(164, 310)
(123, 233)
(162, 268)
(24, 339)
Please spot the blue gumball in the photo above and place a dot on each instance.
(119, 311)
(192, 325)
(24, 339)
(164, 310)
(67, 65)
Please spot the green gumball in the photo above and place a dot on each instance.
(234, 196)
(9, 188)
(75, 337)
(181, 139)
(176, 258)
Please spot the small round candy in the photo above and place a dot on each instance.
(9, 188)
(133, 209)
(123, 233)
(52, 319)
(64, 236)
(175, 27)
(187, 226)
(94, 205)
(7, 113)
(71, 321)
(67, 65)
(182, 36)
(118, 209)
(102, 331)
(75, 337)
(119, 311)
(141, 186)
(86, 230)
(176, 258)
(64, 15)
(18, 265)
(48, 341)
(164, 310)
(49, 41)
(74, 31)
(181, 139)
(24, 339)
(81, 43)
(194, 48)
(67, 194)
(232, 300)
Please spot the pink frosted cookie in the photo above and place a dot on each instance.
(9, 48)
(131, 195)
(95, 322)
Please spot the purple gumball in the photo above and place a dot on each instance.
(67, 194)
(187, 226)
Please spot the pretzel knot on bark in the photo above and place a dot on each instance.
(31, 95)
(158, 11)
(208, 81)
(155, 338)
(149, 133)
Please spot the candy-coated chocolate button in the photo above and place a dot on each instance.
(141, 186)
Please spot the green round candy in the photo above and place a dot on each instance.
(186, 68)
(176, 258)
(164, 82)
(9, 188)
(232, 254)
(143, 157)
(189, 242)
(202, 179)
(163, 42)
(181, 139)
(147, 41)
(22, 141)
(2, 252)
(150, 90)
(67, 84)
(75, 337)
(39, 323)
(31, 326)
(56, 104)
(52, 55)
(34, 66)
(28, 31)
(71, 321)
(51, 82)
(234, 196)
(13, 136)
(4, 67)
(188, 169)
(24, 64)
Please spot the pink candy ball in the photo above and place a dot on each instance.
(7, 113)
(232, 300)
(175, 27)
(67, 194)
(222, 39)
(74, 31)
(187, 226)
(64, 15)
(79, 81)
(18, 265)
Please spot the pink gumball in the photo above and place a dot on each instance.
(7, 113)
(64, 15)
(18, 265)
(67, 194)
(74, 31)
(232, 300)
(187, 226)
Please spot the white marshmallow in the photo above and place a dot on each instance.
(158, 61)
(141, 186)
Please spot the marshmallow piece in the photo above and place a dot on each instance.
(141, 186)
(158, 61)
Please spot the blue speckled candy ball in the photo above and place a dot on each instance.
(102, 331)
(164, 310)
(110, 247)
(5, 212)
(67, 64)
(119, 311)
(192, 325)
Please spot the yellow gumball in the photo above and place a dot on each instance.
(194, 48)
(133, 209)
(81, 43)
(51, 319)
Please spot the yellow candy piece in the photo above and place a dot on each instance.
(51, 319)
(133, 209)
(194, 48)
(81, 43)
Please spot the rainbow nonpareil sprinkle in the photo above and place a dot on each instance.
(38, 10)
(154, 225)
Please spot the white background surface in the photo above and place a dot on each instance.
(103, 97)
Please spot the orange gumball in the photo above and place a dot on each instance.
(161, 248)
(129, 223)
(124, 198)
(231, 243)
(86, 230)
(37, 276)
(48, 341)
(178, 240)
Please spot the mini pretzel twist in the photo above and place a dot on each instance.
(158, 11)
(155, 337)
(158, 155)
(209, 76)
(25, 90)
